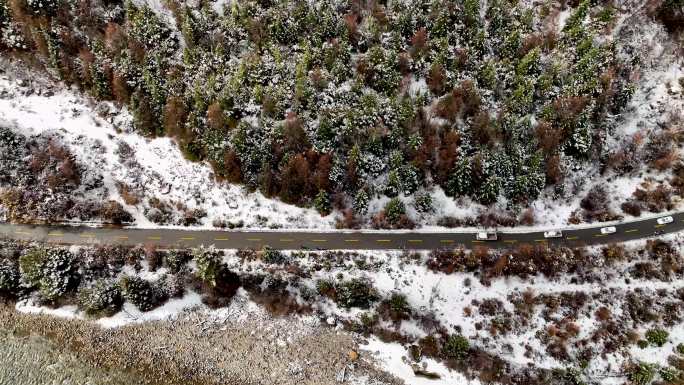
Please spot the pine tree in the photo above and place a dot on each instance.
(489, 191)
(460, 182)
(322, 202)
(361, 202)
(394, 210)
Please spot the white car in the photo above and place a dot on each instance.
(486, 236)
(608, 230)
(664, 220)
(553, 234)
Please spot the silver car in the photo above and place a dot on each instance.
(665, 220)
(486, 236)
(608, 230)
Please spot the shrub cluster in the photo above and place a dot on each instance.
(352, 293)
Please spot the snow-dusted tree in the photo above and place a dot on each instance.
(489, 190)
(322, 202)
(101, 83)
(361, 200)
(393, 186)
(423, 202)
(394, 209)
(461, 180)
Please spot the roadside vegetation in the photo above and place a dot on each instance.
(572, 329)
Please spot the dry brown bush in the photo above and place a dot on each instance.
(656, 199)
(436, 79)
(175, 113)
(216, 119)
(549, 137)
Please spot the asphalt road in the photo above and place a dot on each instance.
(350, 240)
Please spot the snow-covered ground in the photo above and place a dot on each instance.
(155, 168)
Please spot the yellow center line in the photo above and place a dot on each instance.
(631, 231)
(319, 240)
(383, 240)
(351, 240)
(187, 239)
(154, 238)
(87, 235)
(254, 239)
(55, 234)
(658, 226)
(121, 237)
(286, 240)
(476, 241)
(415, 241)
(599, 235)
(572, 238)
(510, 241)
(22, 232)
(540, 240)
(220, 239)
(447, 241)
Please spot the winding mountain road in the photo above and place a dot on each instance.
(349, 240)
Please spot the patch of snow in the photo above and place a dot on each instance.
(169, 310)
(393, 358)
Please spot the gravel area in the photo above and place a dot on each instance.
(199, 347)
(33, 360)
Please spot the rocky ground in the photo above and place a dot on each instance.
(32, 360)
(197, 348)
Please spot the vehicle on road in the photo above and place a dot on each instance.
(608, 230)
(486, 236)
(553, 234)
(665, 220)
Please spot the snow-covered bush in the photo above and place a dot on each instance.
(103, 299)
(53, 271)
(59, 274)
(657, 337)
(31, 265)
(208, 264)
(42, 7)
(176, 260)
(355, 293)
(456, 347)
(641, 373)
(143, 294)
(270, 255)
(9, 276)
